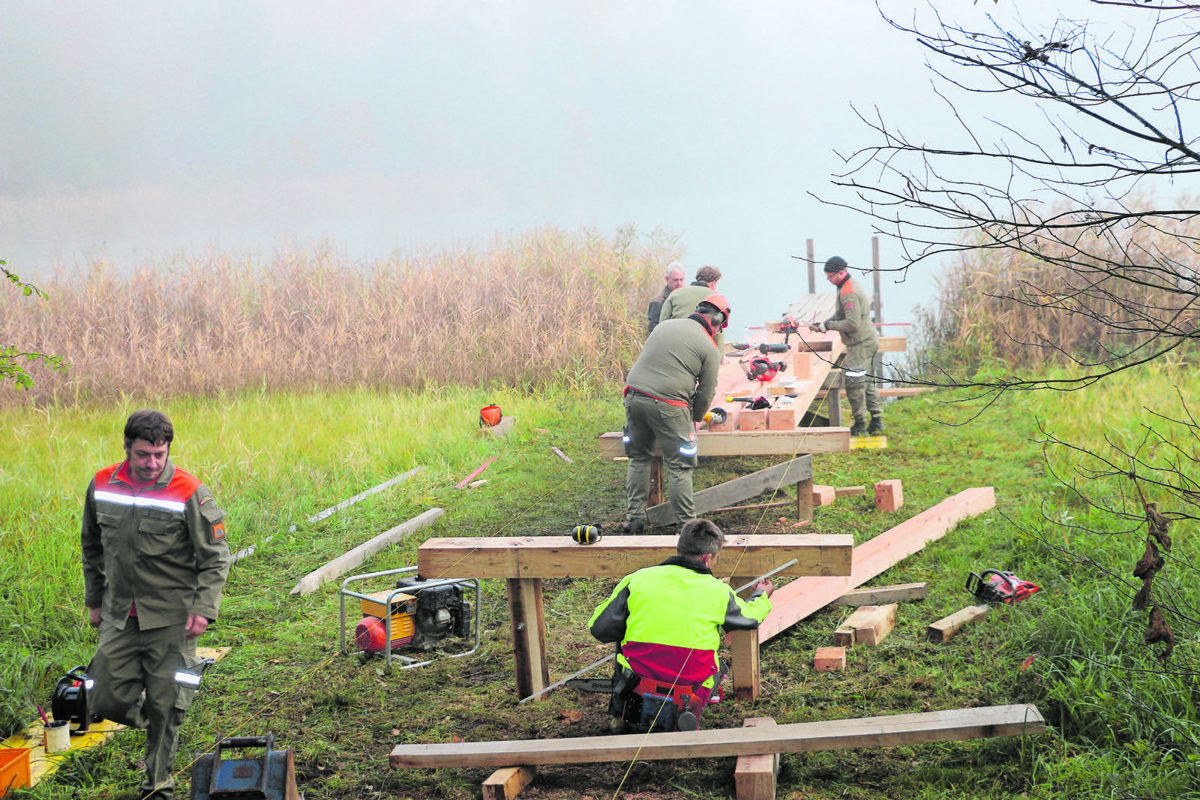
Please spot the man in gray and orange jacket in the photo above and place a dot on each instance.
(155, 559)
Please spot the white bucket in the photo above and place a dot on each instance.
(58, 736)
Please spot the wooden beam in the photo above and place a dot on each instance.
(893, 391)
(815, 343)
(617, 556)
(803, 737)
(349, 560)
(878, 595)
(946, 627)
(796, 600)
(752, 443)
(739, 489)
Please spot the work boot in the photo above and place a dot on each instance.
(635, 527)
(858, 429)
(876, 426)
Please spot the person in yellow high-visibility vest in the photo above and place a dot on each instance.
(667, 621)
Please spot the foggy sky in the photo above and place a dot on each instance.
(138, 130)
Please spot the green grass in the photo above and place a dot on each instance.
(1121, 727)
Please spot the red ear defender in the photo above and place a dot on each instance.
(490, 415)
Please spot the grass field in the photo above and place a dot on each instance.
(1122, 724)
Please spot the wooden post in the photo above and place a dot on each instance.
(812, 269)
(754, 776)
(656, 482)
(804, 500)
(529, 635)
(878, 301)
(744, 647)
(834, 397)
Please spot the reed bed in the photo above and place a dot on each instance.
(1089, 296)
(533, 310)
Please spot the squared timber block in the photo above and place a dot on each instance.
(754, 776)
(889, 495)
(823, 495)
(830, 659)
(868, 625)
(802, 366)
(781, 419)
(755, 420)
(501, 428)
(850, 491)
(946, 627)
(507, 783)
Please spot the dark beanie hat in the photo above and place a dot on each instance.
(836, 264)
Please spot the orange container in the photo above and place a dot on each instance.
(14, 769)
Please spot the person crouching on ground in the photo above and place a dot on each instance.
(667, 621)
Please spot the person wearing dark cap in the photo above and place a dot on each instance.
(862, 362)
(668, 390)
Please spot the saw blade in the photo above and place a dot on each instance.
(601, 685)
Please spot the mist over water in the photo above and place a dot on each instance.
(138, 131)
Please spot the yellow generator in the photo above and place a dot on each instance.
(414, 615)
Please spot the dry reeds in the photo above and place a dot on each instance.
(539, 309)
(1071, 293)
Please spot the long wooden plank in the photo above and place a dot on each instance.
(739, 489)
(802, 737)
(751, 443)
(351, 559)
(616, 556)
(803, 596)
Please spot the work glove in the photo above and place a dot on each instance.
(819, 327)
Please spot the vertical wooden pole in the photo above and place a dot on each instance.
(743, 647)
(529, 635)
(804, 500)
(875, 266)
(812, 270)
(656, 482)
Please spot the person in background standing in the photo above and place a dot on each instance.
(683, 301)
(674, 280)
(862, 362)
